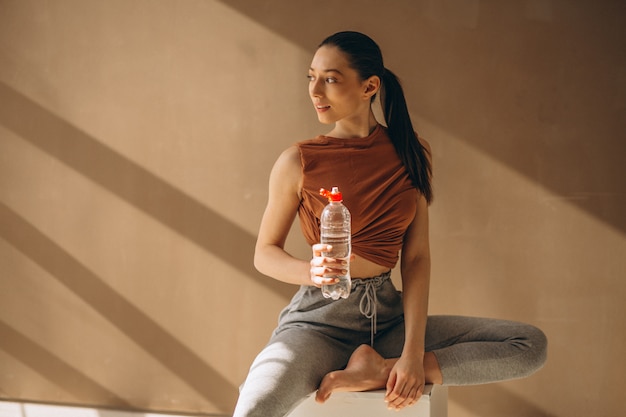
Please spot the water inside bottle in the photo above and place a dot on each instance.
(340, 251)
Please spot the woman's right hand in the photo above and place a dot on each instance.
(323, 267)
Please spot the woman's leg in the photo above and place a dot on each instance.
(315, 336)
(288, 369)
(463, 350)
(473, 350)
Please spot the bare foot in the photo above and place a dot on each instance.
(366, 370)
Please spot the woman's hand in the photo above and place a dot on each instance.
(405, 384)
(322, 268)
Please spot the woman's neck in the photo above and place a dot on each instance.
(351, 128)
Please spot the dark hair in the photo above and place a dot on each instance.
(366, 58)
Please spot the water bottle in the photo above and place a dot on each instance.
(335, 231)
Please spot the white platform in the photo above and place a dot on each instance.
(434, 403)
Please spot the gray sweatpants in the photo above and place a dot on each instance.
(316, 335)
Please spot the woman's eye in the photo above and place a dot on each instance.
(328, 80)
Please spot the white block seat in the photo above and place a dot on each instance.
(433, 403)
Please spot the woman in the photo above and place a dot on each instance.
(377, 338)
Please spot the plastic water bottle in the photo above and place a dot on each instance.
(335, 231)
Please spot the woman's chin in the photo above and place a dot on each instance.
(325, 120)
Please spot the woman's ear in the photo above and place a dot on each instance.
(372, 85)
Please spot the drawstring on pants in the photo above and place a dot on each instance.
(369, 300)
(367, 306)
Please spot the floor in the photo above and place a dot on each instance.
(13, 409)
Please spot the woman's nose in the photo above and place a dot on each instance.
(315, 88)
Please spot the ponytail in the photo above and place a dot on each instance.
(403, 136)
(366, 58)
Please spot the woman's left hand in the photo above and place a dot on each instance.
(406, 383)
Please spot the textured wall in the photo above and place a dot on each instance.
(136, 138)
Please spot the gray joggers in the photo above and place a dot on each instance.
(317, 335)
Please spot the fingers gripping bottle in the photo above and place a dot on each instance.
(335, 231)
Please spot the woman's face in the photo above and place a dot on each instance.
(335, 88)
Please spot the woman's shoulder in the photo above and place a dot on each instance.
(291, 159)
(288, 162)
(290, 155)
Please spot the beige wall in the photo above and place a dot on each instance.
(136, 138)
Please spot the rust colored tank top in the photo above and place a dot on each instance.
(376, 189)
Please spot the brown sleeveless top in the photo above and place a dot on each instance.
(376, 189)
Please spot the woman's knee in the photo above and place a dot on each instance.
(537, 347)
(290, 367)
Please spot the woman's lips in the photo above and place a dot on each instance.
(321, 109)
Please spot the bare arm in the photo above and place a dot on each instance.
(415, 268)
(407, 378)
(270, 257)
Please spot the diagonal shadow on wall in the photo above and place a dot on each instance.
(581, 165)
(50, 366)
(137, 326)
(139, 187)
